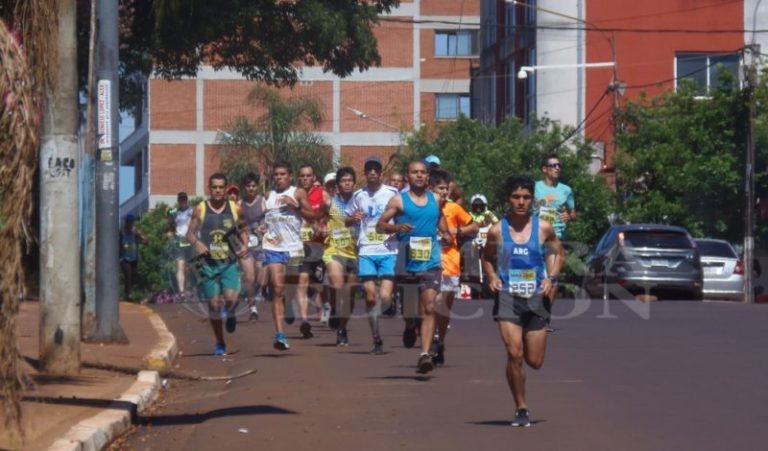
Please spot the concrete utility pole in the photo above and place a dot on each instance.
(749, 175)
(59, 221)
(107, 326)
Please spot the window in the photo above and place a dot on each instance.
(449, 106)
(456, 43)
(704, 69)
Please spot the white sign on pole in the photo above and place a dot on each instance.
(104, 102)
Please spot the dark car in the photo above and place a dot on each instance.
(723, 270)
(650, 259)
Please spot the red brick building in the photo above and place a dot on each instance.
(427, 47)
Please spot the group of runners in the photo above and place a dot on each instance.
(404, 233)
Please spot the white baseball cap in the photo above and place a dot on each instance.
(329, 177)
(479, 197)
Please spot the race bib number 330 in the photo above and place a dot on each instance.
(420, 248)
(522, 282)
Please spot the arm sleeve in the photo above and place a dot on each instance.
(570, 201)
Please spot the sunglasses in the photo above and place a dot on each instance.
(554, 165)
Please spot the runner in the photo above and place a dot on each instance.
(554, 199)
(340, 256)
(433, 162)
(397, 181)
(519, 249)
(233, 193)
(285, 207)
(217, 232)
(484, 218)
(460, 224)
(377, 253)
(417, 220)
(254, 273)
(312, 264)
(178, 224)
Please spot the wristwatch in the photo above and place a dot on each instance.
(553, 279)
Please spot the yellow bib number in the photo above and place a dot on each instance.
(307, 234)
(420, 248)
(218, 248)
(374, 237)
(522, 282)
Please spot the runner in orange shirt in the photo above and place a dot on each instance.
(460, 223)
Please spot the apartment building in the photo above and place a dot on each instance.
(588, 56)
(427, 49)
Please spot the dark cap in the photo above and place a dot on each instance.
(182, 196)
(373, 160)
(130, 217)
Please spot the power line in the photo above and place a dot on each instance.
(586, 28)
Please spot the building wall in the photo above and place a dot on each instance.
(187, 116)
(646, 61)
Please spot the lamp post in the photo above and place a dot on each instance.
(362, 115)
(523, 73)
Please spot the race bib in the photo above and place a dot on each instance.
(184, 243)
(253, 240)
(420, 248)
(218, 249)
(522, 282)
(307, 234)
(372, 236)
(548, 214)
(341, 238)
(295, 257)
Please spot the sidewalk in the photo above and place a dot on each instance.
(95, 406)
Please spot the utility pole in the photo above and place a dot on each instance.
(107, 326)
(749, 174)
(59, 222)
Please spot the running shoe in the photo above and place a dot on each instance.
(425, 364)
(221, 349)
(306, 330)
(254, 314)
(391, 311)
(522, 418)
(341, 338)
(378, 346)
(231, 322)
(281, 343)
(409, 336)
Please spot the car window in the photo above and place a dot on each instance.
(663, 239)
(716, 249)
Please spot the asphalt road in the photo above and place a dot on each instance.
(629, 376)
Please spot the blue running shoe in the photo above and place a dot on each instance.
(221, 349)
(281, 342)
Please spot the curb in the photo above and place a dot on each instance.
(96, 432)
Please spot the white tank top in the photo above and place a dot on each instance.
(283, 223)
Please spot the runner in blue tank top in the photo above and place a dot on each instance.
(518, 251)
(420, 225)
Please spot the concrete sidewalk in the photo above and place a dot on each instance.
(89, 410)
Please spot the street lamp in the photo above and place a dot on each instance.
(523, 73)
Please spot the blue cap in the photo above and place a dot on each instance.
(373, 160)
(130, 217)
(432, 159)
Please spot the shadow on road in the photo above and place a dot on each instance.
(419, 378)
(504, 423)
(198, 418)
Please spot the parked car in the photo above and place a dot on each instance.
(723, 270)
(651, 259)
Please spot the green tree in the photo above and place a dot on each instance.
(681, 160)
(286, 131)
(482, 157)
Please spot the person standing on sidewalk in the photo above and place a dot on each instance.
(254, 273)
(519, 250)
(460, 224)
(285, 207)
(377, 252)
(419, 223)
(219, 236)
(130, 238)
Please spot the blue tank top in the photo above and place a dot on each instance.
(422, 244)
(521, 267)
